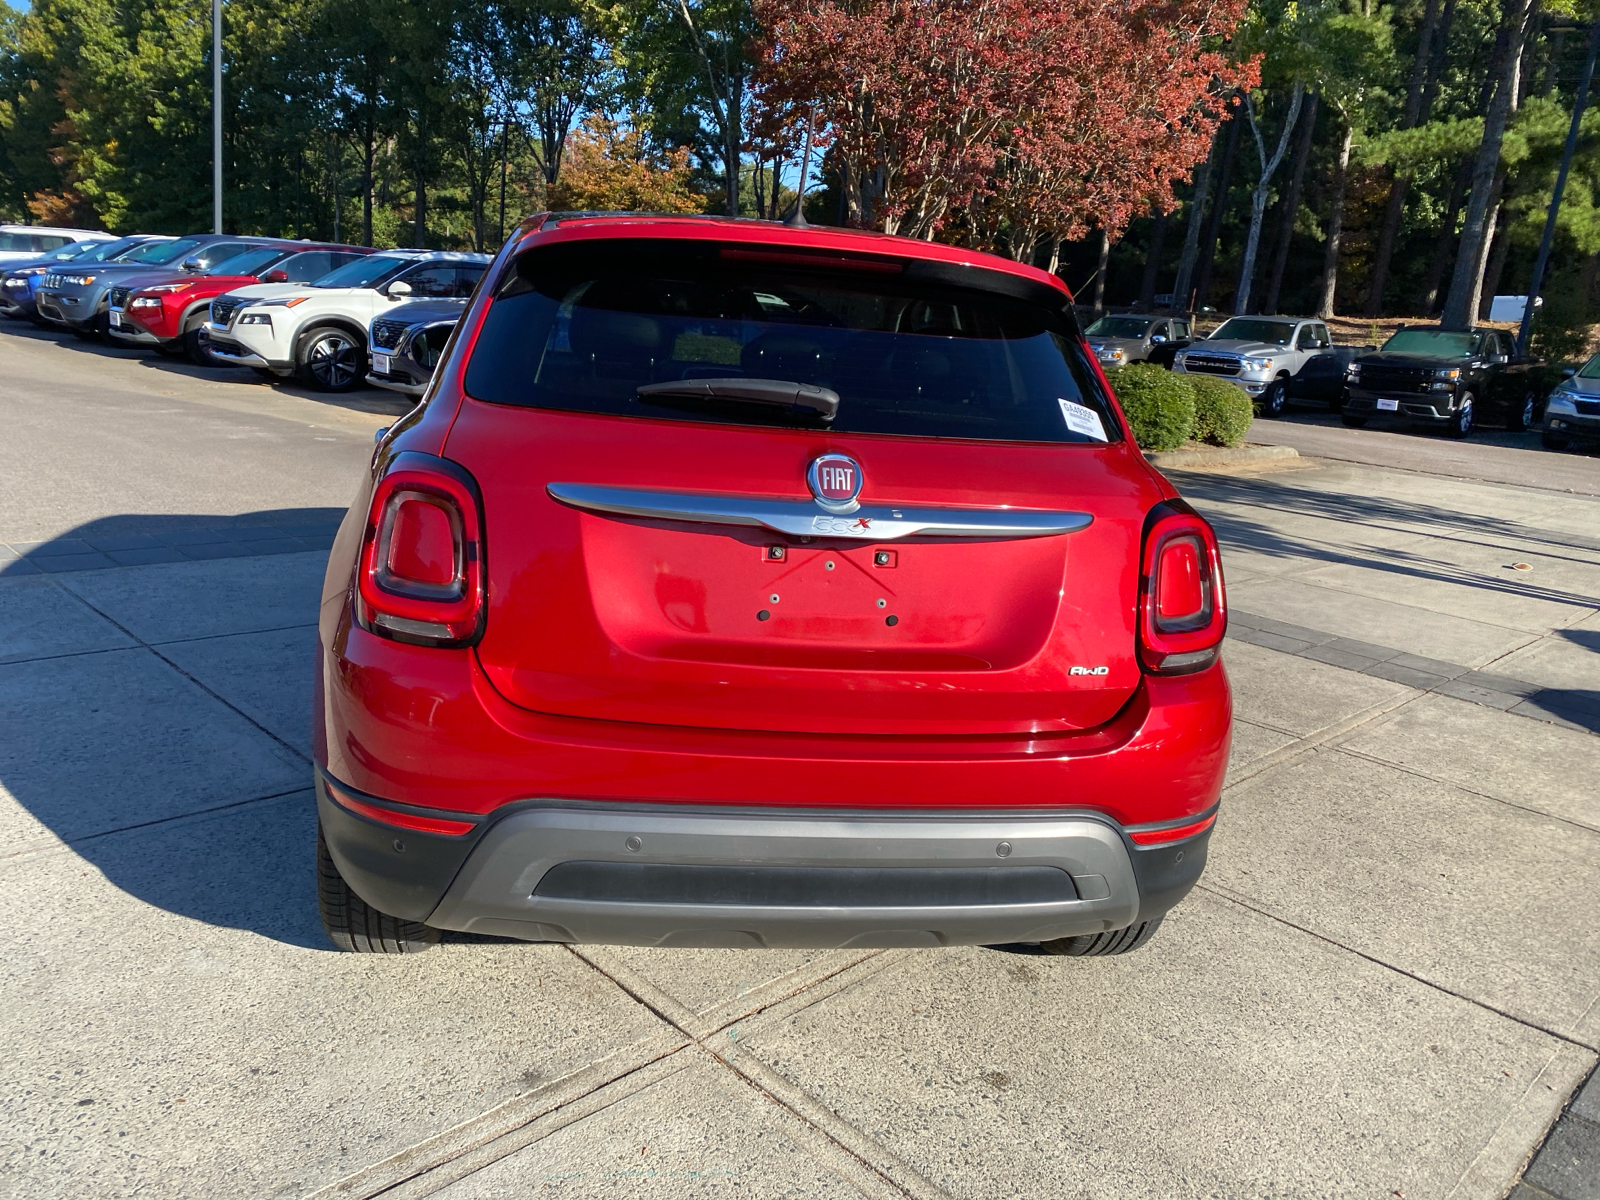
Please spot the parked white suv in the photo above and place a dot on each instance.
(19, 242)
(318, 331)
(1259, 354)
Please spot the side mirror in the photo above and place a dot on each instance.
(193, 264)
(276, 275)
(398, 289)
(1499, 358)
(1568, 372)
(1158, 339)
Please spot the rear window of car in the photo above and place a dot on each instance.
(581, 328)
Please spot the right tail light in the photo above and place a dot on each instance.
(1183, 613)
(420, 577)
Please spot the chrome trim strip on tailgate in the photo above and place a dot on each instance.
(800, 518)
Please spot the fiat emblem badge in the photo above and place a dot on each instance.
(835, 481)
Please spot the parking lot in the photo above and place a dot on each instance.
(1387, 983)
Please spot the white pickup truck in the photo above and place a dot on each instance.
(1270, 357)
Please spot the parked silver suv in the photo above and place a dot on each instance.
(1120, 340)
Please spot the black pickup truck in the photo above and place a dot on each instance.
(1427, 375)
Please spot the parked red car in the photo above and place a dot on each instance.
(168, 312)
(745, 585)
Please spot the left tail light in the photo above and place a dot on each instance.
(420, 578)
(1183, 613)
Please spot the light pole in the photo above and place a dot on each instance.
(1543, 260)
(216, 115)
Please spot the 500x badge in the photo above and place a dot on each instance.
(843, 526)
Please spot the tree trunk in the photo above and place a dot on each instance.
(1394, 212)
(1291, 203)
(1490, 223)
(1466, 281)
(1258, 198)
(1498, 249)
(1152, 261)
(732, 141)
(1447, 235)
(369, 151)
(1330, 254)
(1055, 252)
(1219, 205)
(505, 165)
(1191, 234)
(420, 237)
(1100, 273)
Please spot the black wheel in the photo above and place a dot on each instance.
(197, 350)
(331, 360)
(1118, 941)
(1352, 420)
(1460, 423)
(354, 925)
(1336, 404)
(1521, 416)
(1555, 441)
(97, 330)
(1272, 400)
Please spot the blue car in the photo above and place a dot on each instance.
(19, 282)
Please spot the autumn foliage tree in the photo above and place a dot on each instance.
(1001, 122)
(609, 166)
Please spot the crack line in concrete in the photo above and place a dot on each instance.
(861, 1151)
(218, 697)
(69, 843)
(1232, 897)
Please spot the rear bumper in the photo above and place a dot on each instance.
(679, 875)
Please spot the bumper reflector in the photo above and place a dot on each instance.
(389, 816)
(1155, 837)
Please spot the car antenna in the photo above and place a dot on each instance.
(797, 219)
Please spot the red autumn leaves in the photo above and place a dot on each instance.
(999, 122)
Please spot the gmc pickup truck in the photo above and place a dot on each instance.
(1428, 375)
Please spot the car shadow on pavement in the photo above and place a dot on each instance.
(1351, 513)
(157, 707)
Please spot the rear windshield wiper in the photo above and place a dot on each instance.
(774, 393)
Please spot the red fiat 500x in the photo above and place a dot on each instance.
(741, 585)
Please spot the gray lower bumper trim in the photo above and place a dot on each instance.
(235, 353)
(497, 889)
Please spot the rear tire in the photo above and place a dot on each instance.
(1092, 945)
(354, 925)
(331, 360)
(1522, 415)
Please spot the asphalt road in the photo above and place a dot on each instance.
(93, 432)
(1488, 455)
(1387, 984)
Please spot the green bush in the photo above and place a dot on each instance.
(1222, 413)
(1159, 404)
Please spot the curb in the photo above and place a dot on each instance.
(1220, 457)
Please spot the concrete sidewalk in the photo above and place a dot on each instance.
(1386, 984)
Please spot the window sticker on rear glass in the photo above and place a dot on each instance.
(1083, 420)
